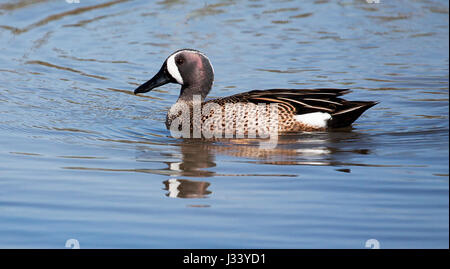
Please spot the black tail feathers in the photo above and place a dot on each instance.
(352, 110)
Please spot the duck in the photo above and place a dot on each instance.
(297, 110)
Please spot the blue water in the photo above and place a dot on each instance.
(83, 158)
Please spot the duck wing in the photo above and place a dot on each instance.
(303, 101)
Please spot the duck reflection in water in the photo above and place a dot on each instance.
(183, 188)
(196, 157)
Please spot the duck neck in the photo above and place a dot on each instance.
(188, 93)
(190, 96)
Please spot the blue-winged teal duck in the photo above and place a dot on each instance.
(298, 109)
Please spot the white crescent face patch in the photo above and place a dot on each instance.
(173, 69)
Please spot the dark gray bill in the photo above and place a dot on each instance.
(161, 78)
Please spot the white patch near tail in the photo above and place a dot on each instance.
(315, 119)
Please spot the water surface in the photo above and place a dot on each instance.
(82, 157)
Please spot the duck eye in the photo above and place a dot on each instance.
(179, 61)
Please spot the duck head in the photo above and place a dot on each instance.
(187, 67)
